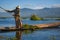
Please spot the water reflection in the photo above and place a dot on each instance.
(18, 35)
(15, 35)
(45, 34)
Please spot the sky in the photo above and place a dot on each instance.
(33, 4)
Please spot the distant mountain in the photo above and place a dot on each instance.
(49, 12)
(5, 14)
(45, 12)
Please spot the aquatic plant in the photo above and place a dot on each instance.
(35, 17)
(58, 19)
(53, 37)
(11, 38)
(30, 27)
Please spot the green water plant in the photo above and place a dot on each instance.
(30, 27)
(58, 19)
(11, 38)
(35, 17)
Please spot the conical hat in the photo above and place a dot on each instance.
(18, 6)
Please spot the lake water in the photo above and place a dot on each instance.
(43, 34)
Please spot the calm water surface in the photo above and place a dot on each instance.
(44, 34)
(11, 22)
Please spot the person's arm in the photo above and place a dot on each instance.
(9, 11)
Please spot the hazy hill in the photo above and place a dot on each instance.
(45, 12)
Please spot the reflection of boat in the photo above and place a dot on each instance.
(3, 38)
(18, 35)
(2, 17)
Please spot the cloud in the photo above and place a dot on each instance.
(31, 6)
(55, 5)
(38, 7)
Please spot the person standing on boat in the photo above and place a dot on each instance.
(16, 16)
